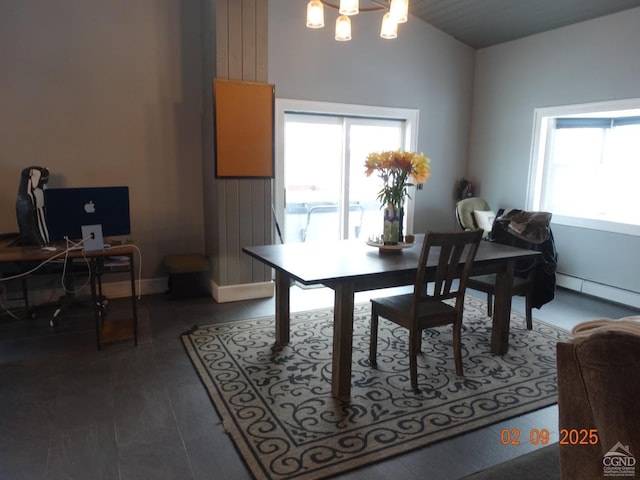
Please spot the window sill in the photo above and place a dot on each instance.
(601, 225)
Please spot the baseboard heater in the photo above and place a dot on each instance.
(600, 290)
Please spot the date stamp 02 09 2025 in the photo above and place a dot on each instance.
(542, 436)
(618, 462)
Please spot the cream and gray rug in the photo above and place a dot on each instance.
(277, 406)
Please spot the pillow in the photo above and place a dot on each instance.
(484, 219)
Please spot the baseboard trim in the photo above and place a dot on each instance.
(245, 291)
(600, 290)
(121, 289)
(221, 294)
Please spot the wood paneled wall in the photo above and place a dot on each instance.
(238, 211)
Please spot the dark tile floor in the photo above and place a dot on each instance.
(68, 411)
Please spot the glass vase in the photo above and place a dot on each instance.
(392, 225)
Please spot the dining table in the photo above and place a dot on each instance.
(350, 266)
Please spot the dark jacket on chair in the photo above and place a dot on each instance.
(530, 230)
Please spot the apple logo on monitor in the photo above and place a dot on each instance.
(90, 207)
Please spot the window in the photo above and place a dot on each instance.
(321, 190)
(587, 164)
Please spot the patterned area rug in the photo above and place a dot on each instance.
(277, 404)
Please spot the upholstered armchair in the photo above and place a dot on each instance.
(598, 399)
(466, 216)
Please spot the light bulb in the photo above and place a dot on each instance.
(315, 14)
(349, 7)
(399, 10)
(389, 28)
(343, 28)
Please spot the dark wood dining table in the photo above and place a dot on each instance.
(350, 266)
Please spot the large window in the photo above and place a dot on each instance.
(322, 192)
(587, 164)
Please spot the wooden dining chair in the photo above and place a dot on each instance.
(453, 255)
(522, 286)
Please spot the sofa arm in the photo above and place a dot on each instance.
(610, 366)
(574, 415)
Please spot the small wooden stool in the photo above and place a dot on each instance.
(188, 276)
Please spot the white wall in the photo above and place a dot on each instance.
(423, 68)
(592, 61)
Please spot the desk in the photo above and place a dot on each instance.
(351, 266)
(98, 266)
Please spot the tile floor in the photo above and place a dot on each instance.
(68, 411)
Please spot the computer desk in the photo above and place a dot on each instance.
(99, 264)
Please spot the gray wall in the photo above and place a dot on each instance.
(592, 61)
(423, 68)
(107, 93)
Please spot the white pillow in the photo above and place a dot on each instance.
(484, 219)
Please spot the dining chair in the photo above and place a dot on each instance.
(521, 286)
(468, 213)
(452, 254)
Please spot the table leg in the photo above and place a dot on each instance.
(342, 340)
(94, 301)
(502, 309)
(283, 286)
(134, 300)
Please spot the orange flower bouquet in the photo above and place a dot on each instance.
(398, 170)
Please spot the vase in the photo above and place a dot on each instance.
(392, 231)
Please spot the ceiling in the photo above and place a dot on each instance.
(483, 23)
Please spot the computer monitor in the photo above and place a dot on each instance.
(67, 210)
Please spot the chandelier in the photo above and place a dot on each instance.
(397, 13)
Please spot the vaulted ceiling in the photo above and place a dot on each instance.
(483, 23)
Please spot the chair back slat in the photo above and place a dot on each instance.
(455, 254)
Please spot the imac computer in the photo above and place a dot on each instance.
(75, 213)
